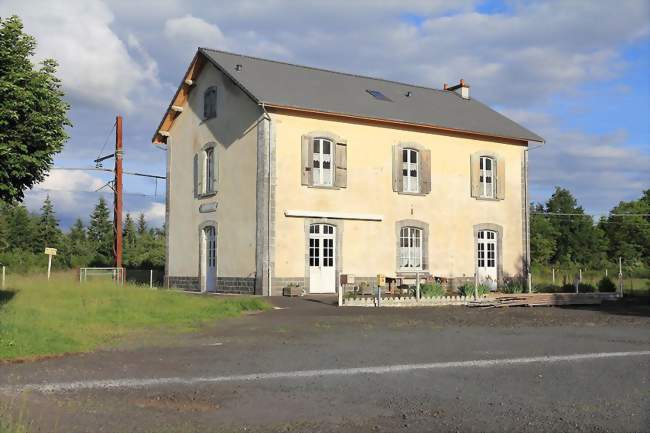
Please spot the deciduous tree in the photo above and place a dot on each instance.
(33, 114)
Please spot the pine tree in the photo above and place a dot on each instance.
(79, 250)
(49, 234)
(142, 225)
(130, 234)
(21, 229)
(100, 233)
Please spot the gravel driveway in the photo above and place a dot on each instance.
(311, 367)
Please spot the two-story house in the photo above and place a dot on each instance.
(280, 173)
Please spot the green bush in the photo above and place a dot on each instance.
(548, 288)
(606, 285)
(513, 286)
(468, 289)
(431, 290)
(586, 288)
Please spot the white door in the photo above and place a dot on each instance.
(209, 248)
(322, 258)
(487, 257)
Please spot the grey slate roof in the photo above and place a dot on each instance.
(278, 83)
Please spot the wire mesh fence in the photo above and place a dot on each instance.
(148, 277)
(564, 278)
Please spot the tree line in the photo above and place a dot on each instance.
(24, 236)
(561, 234)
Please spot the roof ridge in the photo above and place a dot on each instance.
(419, 86)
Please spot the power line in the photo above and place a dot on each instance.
(106, 140)
(108, 170)
(590, 215)
(38, 188)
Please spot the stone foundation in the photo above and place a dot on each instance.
(243, 285)
(185, 283)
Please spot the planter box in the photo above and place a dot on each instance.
(293, 291)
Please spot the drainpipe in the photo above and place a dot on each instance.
(268, 203)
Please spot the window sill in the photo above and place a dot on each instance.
(410, 273)
(206, 195)
(488, 198)
(422, 194)
(323, 187)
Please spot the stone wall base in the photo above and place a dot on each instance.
(243, 285)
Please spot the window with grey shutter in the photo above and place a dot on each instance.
(341, 164)
(487, 175)
(210, 103)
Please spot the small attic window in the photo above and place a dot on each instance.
(378, 95)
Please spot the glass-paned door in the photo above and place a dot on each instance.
(322, 258)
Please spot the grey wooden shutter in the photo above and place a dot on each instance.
(201, 173)
(341, 157)
(397, 168)
(501, 178)
(307, 157)
(197, 176)
(425, 171)
(475, 174)
(215, 169)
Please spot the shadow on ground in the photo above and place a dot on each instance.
(6, 296)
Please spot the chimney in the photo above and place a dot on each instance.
(462, 89)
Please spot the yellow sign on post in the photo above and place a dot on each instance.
(381, 280)
(50, 252)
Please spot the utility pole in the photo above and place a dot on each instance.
(117, 189)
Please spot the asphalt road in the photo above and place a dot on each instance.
(311, 367)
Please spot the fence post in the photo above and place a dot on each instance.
(151, 278)
(620, 277)
(553, 276)
(530, 283)
(580, 275)
(475, 287)
(3, 277)
(378, 295)
(417, 286)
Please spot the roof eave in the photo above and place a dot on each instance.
(394, 122)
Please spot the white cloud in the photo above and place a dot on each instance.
(189, 32)
(599, 169)
(155, 213)
(95, 65)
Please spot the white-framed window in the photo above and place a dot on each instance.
(322, 170)
(410, 248)
(210, 103)
(206, 165)
(410, 171)
(487, 170)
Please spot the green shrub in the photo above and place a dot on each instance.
(548, 288)
(586, 288)
(513, 286)
(468, 289)
(606, 285)
(431, 290)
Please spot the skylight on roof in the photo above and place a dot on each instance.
(378, 95)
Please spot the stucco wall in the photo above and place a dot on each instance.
(370, 247)
(235, 132)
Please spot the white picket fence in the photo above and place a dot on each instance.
(411, 301)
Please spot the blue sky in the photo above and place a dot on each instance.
(574, 72)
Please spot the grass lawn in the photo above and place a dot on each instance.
(38, 317)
